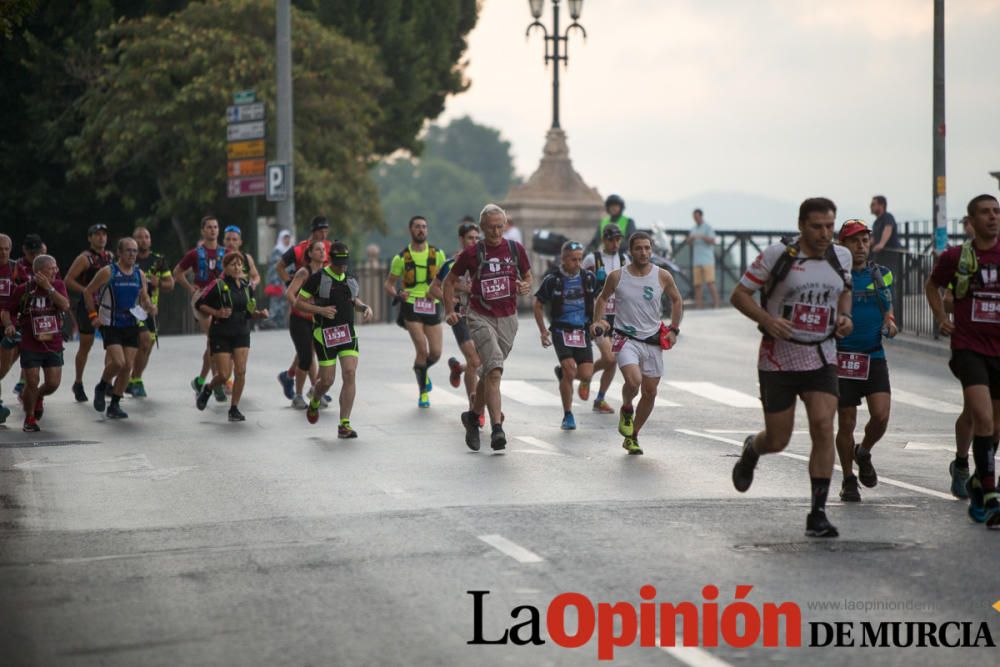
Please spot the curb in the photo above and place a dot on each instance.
(937, 348)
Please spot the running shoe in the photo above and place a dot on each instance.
(312, 412)
(235, 415)
(568, 422)
(817, 525)
(977, 508)
(866, 471)
(202, 400)
(115, 412)
(299, 403)
(743, 470)
(344, 431)
(471, 429)
(78, 393)
(138, 389)
(428, 386)
(424, 401)
(456, 369)
(99, 397)
(220, 393)
(584, 390)
(631, 445)
(625, 421)
(30, 426)
(128, 388)
(498, 439)
(39, 408)
(197, 383)
(19, 387)
(4, 412)
(287, 384)
(603, 407)
(992, 510)
(959, 478)
(849, 492)
(558, 372)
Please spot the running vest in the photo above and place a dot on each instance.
(483, 263)
(600, 271)
(209, 269)
(336, 292)
(95, 262)
(589, 282)
(410, 266)
(622, 223)
(120, 294)
(638, 304)
(968, 265)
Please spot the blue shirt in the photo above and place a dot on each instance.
(867, 314)
(445, 268)
(702, 251)
(574, 308)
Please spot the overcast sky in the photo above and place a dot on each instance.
(783, 98)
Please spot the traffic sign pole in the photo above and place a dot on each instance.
(283, 39)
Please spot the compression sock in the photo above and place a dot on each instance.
(820, 489)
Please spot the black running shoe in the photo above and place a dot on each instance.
(849, 490)
(498, 440)
(78, 393)
(203, 396)
(115, 412)
(235, 415)
(99, 397)
(743, 470)
(817, 525)
(866, 471)
(471, 423)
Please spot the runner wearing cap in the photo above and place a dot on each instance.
(500, 271)
(610, 257)
(81, 272)
(10, 278)
(300, 327)
(232, 241)
(31, 247)
(862, 366)
(158, 279)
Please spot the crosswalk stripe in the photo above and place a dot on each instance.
(438, 395)
(515, 551)
(932, 404)
(523, 392)
(717, 393)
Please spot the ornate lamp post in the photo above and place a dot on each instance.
(555, 54)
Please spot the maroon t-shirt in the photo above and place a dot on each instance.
(977, 315)
(10, 277)
(37, 317)
(203, 276)
(494, 286)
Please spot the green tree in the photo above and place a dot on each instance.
(156, 111)
(475, 148)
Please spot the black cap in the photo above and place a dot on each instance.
(99, 227)
(611, 231)
(319, 222)
(32, 242)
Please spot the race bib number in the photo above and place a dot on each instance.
(853, 365)
(617, 342)
(5, 286)
(986, 310)
(424, 307)
(338, 335)
(44, 327)
(575, 338)
(810, 319)
(610, 308)
(495, 288)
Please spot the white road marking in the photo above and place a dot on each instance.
(799, 457)
(926, 446)
(615, 390)
(515, 551)
(526, 393)
(932, 404)
(718, 393)
(438, 395)
(536, 442)
(694, 656)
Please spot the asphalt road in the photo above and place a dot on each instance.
(176, 538)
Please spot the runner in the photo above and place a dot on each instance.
(158, 279)
(10, 278)
(332, 298)
(973, 269)
(300, 327)
(468, 236)
(232, 240)
(37, 308)
(863, 369)
(640, 336)
(230, 304)
(119, 320)
(31, 248)
(806, 300)
(81, 273)
(959, 468)
(296, 258)
(569, 292)
(416, 266)
(500, 271)
(602, 262)
(205, 263)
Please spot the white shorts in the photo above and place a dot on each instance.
(649, 358)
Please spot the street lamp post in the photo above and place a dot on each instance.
(553, 54)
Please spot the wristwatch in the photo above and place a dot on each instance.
(675, 329)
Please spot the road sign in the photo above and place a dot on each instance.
(244, 131)
(245, 97)
(246, 186)
(243, 149)
(277, 181)
(245, 112)
(252, 167)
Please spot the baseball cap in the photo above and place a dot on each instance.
(32, 242)
(319, 222)
(99, 227)
(611, 231)
(852, 227)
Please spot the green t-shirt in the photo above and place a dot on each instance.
(419, 290)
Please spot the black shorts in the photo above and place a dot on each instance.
(148, 324)
(328, 356)
(222, 344)
(124, 336)
(301, 331)
(82, 320)
(31, 359)
(852, 391)
(461, 331)
(972, 368)
(779, 389)
(581, 355)
(406, 314)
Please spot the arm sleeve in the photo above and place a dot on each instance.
(396, 268)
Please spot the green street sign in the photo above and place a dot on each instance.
(245, 97)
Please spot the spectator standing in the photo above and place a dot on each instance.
(702, 241)
(887, 248)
